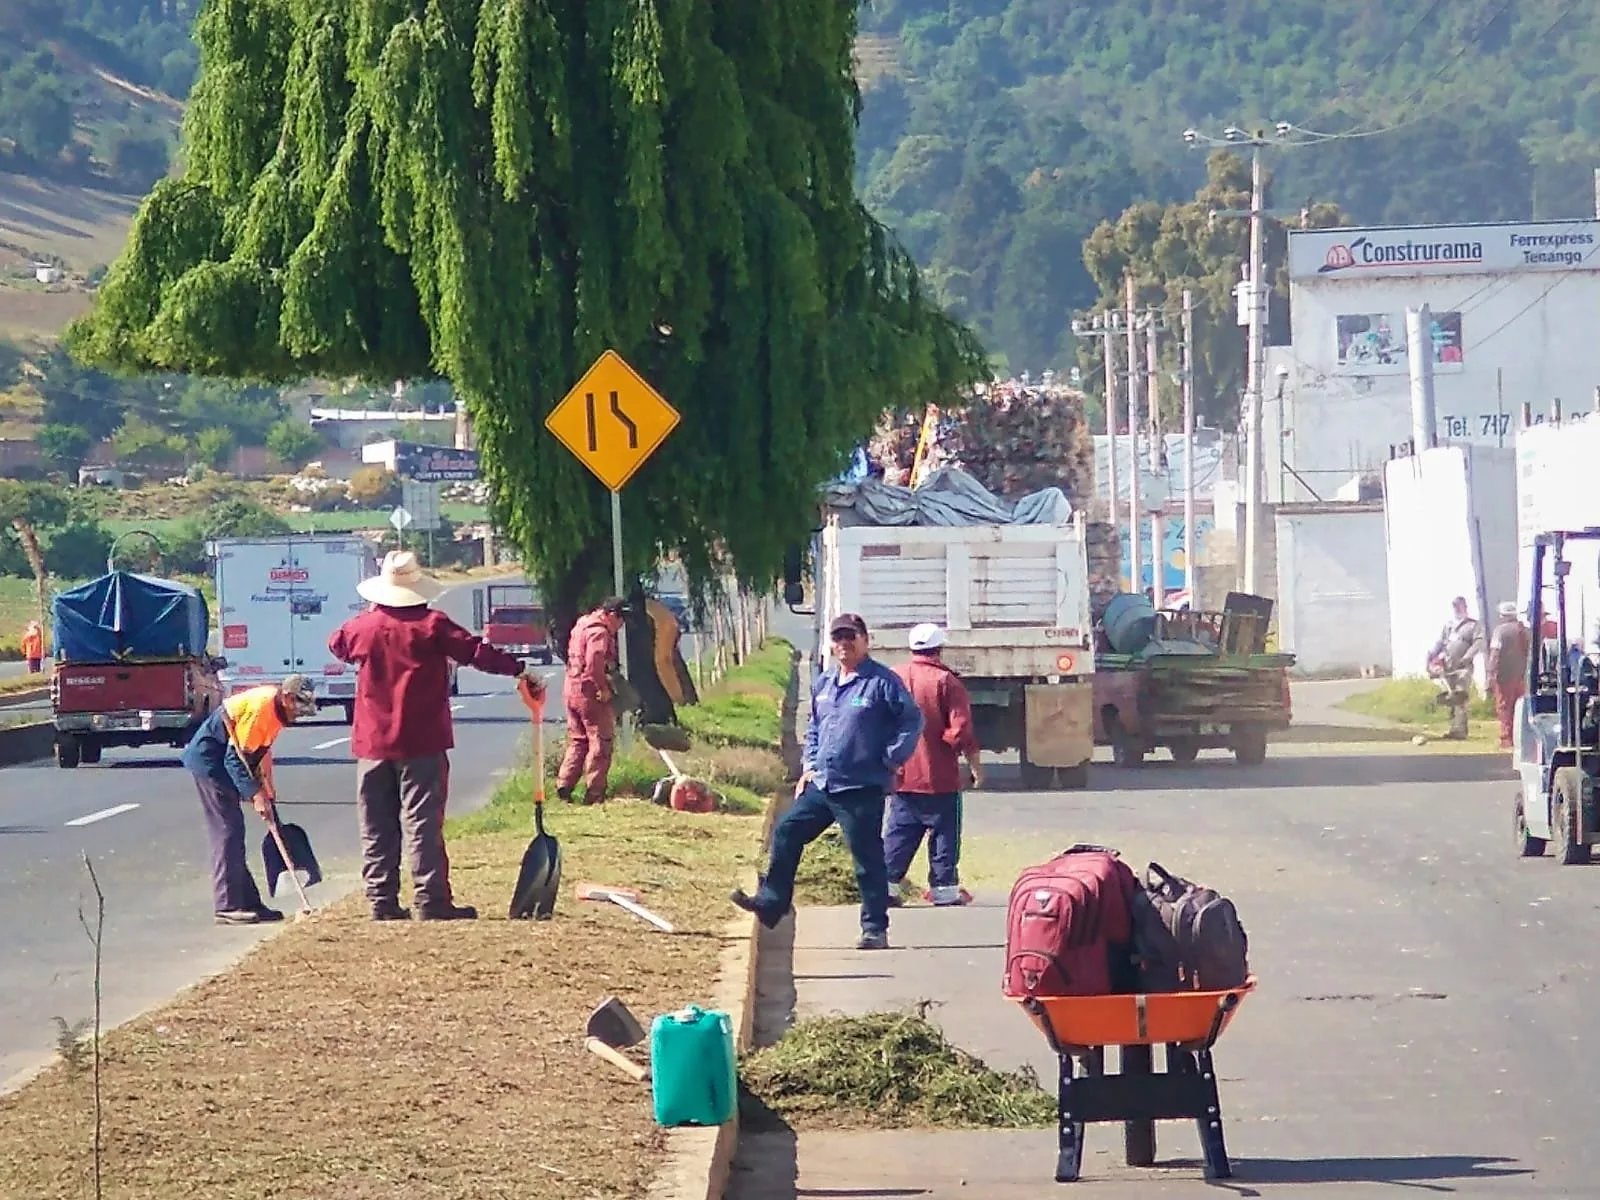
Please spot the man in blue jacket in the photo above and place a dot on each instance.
(864, 725)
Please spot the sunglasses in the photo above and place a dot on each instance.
(845, 635)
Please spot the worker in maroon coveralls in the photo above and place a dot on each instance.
(402, 733)
(1509, 648)
(927, 794)
(586, 693)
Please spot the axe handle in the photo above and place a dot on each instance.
(615, 1057)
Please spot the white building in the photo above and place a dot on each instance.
(1514, 320)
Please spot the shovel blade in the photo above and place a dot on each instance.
(301, 857)
(613, 1024)
(539, 880)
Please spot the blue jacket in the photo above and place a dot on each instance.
(861, 731)
(210, 755)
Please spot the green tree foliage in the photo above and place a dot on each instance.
(1460, 112)
(64, 446)
(495, 191)
(1170, 248)
(185, 551)
(293, 442)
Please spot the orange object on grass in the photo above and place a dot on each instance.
(1126, 1019)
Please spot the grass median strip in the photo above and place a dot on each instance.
(1413, 704)
(430, 1061)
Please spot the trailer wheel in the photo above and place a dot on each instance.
(349, 712)
(1125, 751)
(1036, 778)
(90, 752)
(1569, 850)
(1528, 846)
(1183, 750)
(67, 751)
(1250, 747)
(1073, 779)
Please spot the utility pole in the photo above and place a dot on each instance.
(1152, 400)
(1253, 308)
(1107, 322)
(1188, 448)
(1135, 514)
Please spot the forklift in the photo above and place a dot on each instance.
(1557, 747)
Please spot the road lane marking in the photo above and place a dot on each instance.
(113, 811)
(338, 741)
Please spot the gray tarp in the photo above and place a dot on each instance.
(949, 497)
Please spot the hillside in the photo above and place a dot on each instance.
(88, 122)
(996, 133)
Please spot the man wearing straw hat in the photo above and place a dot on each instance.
(402, 733)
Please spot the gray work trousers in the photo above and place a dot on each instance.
(233, 888)
(401, 802)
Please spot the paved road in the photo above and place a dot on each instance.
(1422, 1018)
(137, 818)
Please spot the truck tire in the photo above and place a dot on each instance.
(67, 751)
(1250, 747)
(1125, 751)
(349, 712)
(1528, 846)
(90, 752)
(1073, 779)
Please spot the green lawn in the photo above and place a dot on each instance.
(329, 522)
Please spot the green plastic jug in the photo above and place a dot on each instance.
(693, 1070)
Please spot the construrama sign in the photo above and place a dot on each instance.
(1444, 250)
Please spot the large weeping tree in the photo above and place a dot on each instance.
(495, 191)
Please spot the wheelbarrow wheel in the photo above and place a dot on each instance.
(1138, 1137)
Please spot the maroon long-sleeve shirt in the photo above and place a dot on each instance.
(591, 653)
(403, 686)
(947, 733)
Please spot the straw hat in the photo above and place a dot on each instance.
(400, 583)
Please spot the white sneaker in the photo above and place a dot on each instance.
(949, 897)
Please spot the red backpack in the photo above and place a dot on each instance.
(1067, 921)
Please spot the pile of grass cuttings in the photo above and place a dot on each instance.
(889, 1070)
(827, 873)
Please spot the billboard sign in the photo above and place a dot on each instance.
(1375, 343)
(1444, 250)
(435, 464)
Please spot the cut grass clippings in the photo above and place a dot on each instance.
(441, 1061)
(887, 1071)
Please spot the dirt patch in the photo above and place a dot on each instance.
(25, 313)
(347, 1059)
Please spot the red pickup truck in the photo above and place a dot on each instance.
(516, 622)
(132, 667)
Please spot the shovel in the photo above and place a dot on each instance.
(539, 880)
(612, 1029)
(286, 850)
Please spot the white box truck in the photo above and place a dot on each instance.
(279, 599)
(1014, 602)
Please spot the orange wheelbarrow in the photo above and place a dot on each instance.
(1188, 1024)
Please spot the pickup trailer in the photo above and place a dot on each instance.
(1203, 680)
(1014, 602)
(132, 667)
(516, 621)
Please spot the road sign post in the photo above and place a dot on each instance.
(613, 421)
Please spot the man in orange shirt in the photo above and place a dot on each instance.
(230, 757)
(33, 647)
(591, 723)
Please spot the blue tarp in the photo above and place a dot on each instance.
(125, 616)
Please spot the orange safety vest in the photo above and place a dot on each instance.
(33, 643)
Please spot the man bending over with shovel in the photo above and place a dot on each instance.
(230, 757)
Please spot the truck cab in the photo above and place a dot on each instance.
(515, 621)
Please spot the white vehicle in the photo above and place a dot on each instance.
(1014, 602)
(279, 599)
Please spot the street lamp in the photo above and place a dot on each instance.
(1253, 301)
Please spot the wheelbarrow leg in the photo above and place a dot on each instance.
(1210, 1123)
(1138, 1136)
(1069, 1130)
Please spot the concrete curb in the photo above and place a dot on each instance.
(27, 743)
(699, 1160)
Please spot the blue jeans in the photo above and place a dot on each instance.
(859, 812)
(911, 814)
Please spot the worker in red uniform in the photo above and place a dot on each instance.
(1509, 648)
(927, 794)
(33, 647)
(402, 733)
(591, 723)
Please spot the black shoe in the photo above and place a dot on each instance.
(268, 915)
(450, 912)
(564, 795)
(390, 912)
(750, 904)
